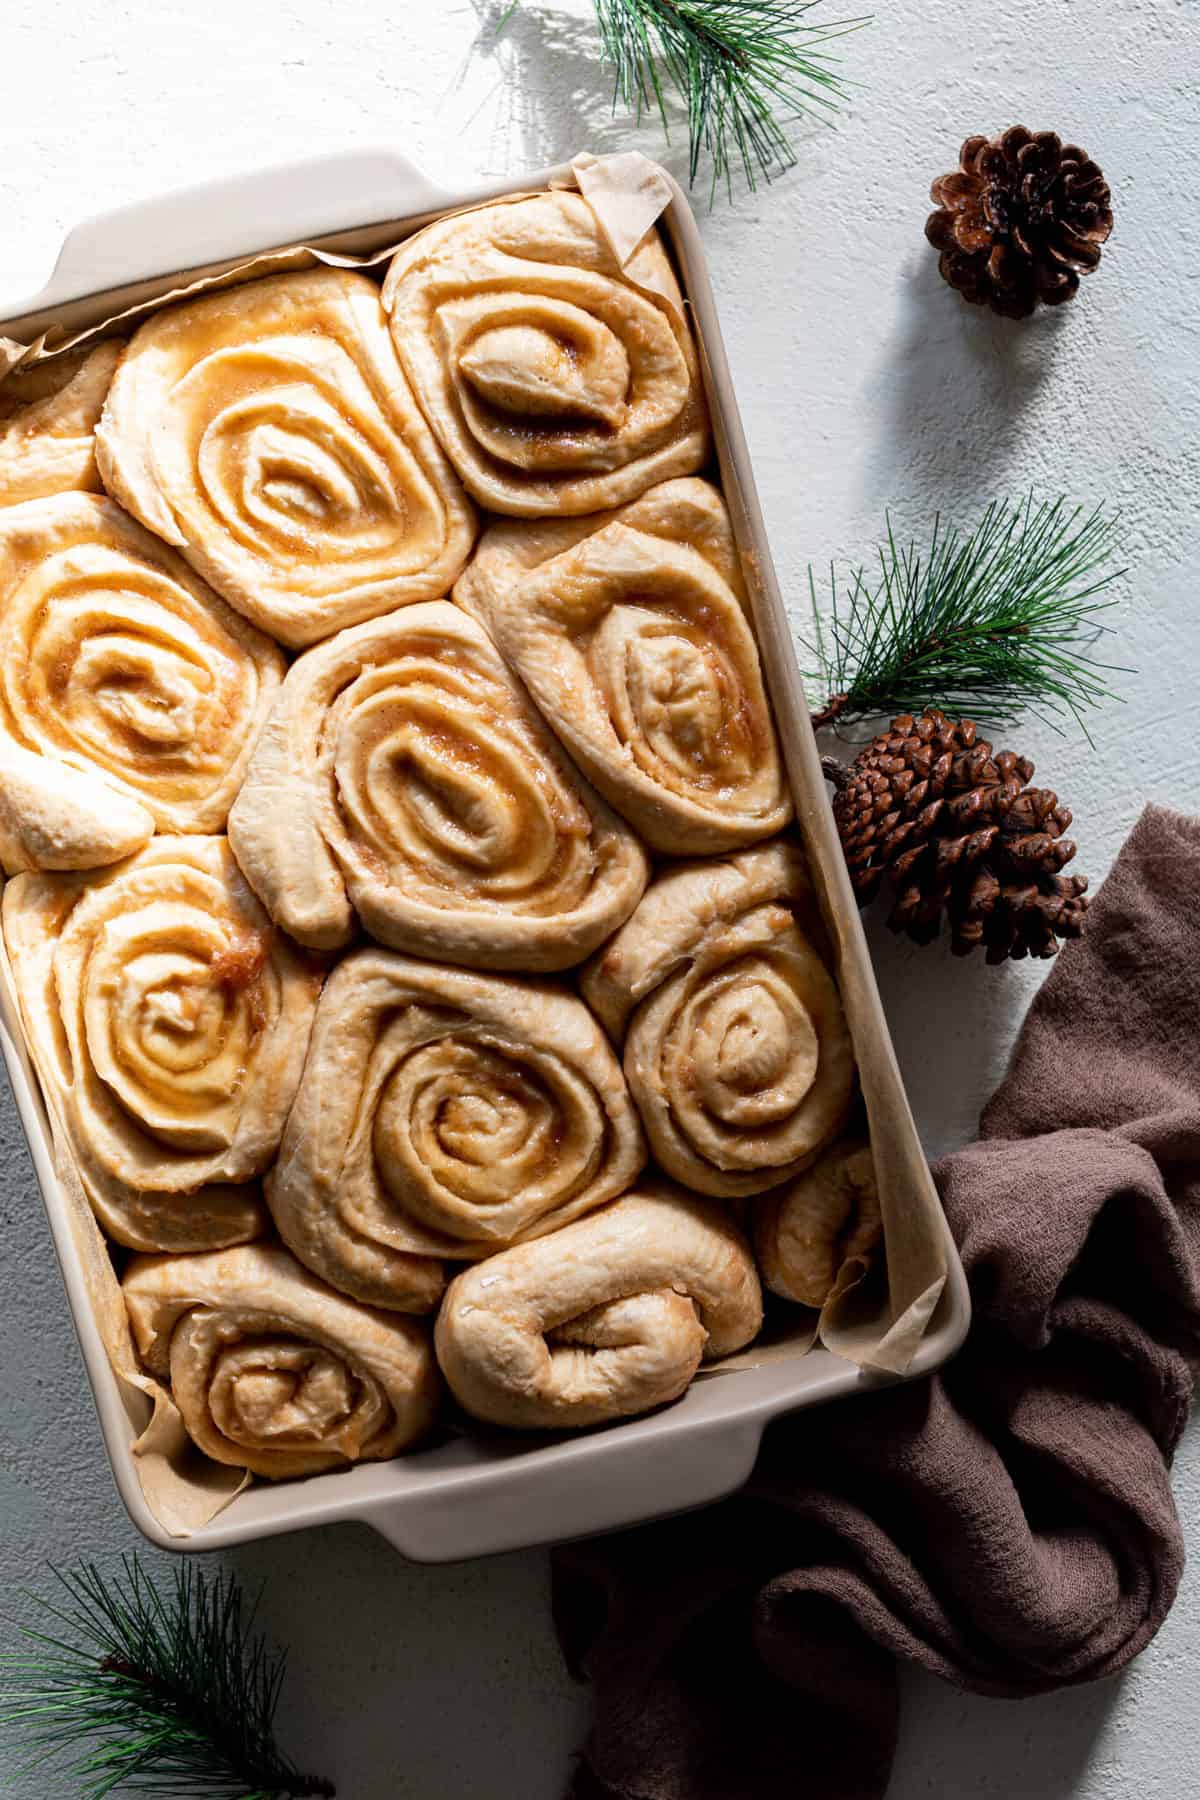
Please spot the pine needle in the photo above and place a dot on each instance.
(744, 69)
(988, 624)
(146, 1693)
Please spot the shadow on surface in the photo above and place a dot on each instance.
(957, 385)
(553, 95)
(956, 1744)
(411, 1681)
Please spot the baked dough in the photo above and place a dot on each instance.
(556, 380)
(444, 1113)
(273, 1373)
(403, 775)
(168, 1023)
(806, 1233)
(609, 1316)
(130, 695)
(736, 1048)
(48, 420)
(629, 630)
(267, 431)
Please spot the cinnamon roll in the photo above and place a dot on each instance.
(168, 1023)
(557, 380)
(268, 432)
(445, 1114)
(608, 1317)
(130, 695)
(630, 631)
(807, 1232)
(273, 1373)
(736, 1048)
(404, 776)
(48, 416)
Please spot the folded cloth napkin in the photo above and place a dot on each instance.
(1008, 1523)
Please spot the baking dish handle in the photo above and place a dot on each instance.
(517, 1501)
(236, 216)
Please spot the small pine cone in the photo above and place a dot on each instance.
(958, 834)
(1020, 220)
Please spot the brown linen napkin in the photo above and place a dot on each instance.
(1007, 1524)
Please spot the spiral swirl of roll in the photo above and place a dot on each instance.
(130, 695)
(629, 630)
(806, 1232)
(48, 418)
(736, 1048)
(273, 1373)
(169, 1024)
(268, 432)
(557, 380)
(404, 776)
(609, 1317)
(448, 1114)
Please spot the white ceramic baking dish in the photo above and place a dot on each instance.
(471, 1495)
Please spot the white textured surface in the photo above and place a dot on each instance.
(864, 384)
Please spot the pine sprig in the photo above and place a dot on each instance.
(151, 1693)
(744, 68)
(990, 623)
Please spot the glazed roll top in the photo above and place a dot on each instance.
(405, 777)
(609, 1317)
(48, 417)
(130, 695)
(629, 630)
(557, 380)
(806, 1232)
(272, 1372)
(736, 1048)
(445, 1114)
(169, 1024)
(269, 433)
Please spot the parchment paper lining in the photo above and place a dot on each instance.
(183, 1489)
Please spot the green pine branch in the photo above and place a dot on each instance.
(744, 69)
(989, 623)
(147, 1692)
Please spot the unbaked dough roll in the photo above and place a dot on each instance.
(403, 775)
(806, 1233)
(168, 1023)
(629, 629)
(736, 1048)
(269, 433)
(556, 380)
(273, 1373)
(48, 416)
(445, 1114)
(608, 1317)
(130, 695)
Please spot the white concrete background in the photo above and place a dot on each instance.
(864, 384)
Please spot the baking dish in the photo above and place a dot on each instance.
(471, 1495)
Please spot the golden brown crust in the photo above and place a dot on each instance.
(271, 1371)
(629, 629)
(168, 1023)
(403, 775)
(736, 1048)
(131, 696)
(607, 1318)
(444, 1113)
(806, 1233)
(557, 381)
(48, 417)
(268, 432)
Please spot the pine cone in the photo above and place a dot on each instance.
(958, 831)
(1019, 220)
